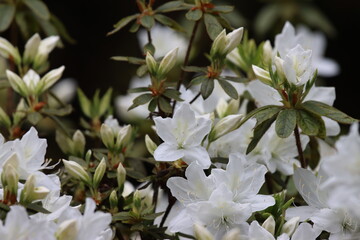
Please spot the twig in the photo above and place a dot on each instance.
(194, 99)
(299, 148)
(172, 201)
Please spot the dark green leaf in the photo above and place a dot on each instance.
(122, 23)
(266, 114)
(121, 216)
(309, 123)
(47, 27)
(223, 9)
(58, 111)
(135, 174)
(229, 89)
(140, 100)
(169, 22)
(38, 8)
(224, 22)
(149, 47)
(152, 216)
(322, 109)
(259, 131)
(138, 90)
(133, 60)
(164, 105)
(4, 207)
(207, 88)
(253, 113)
(37, 208)
(7, 13)
(172, 94)
(234, 79)
(314, 154)
(194, 69)
(285, 123)
(147, 21)
(194, 15)
(152, 105)
(170, 6)
(213, 27)
(134, 28)
(198, 80)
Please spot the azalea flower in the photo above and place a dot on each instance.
(182, 136)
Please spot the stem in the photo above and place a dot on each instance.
(149, 36)
(172, 201)
(299, 148)
(269, 183)
(194, 99)
(187, 56)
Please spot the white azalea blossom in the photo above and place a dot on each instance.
(183, 135)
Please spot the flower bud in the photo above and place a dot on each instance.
(88, 156)
(31, 193)
(79, 142)
(219, 45)
(49, 79)
(267, 53)
(120, 175)
(77, 171)
(31, 48)
(269, 224)
(4, 118)
(279, 68)
(99, 173)
(221, 107)
(123, 137)
(150, 145)
(67, 230)
(233, 39)
(7, 50)
(45, 47)
(201, 233)
(262, 75)
(107, 136)
(10, 175)
(233, 234)
(17, 83)
(151, 64)
(167, 63)
(225, 125)
(114, 201)
(290, 226)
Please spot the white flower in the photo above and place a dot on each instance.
(164, 40)
(182, 136)
(18, 226)
(65, 90)
(91, 225)
(297, 66)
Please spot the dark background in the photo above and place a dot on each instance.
(89, 62)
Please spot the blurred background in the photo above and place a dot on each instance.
(88, 21)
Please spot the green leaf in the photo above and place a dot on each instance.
(138, 90)
(121, 216)
(309, 123)
(85, 103)
(140, 100)
(58, 111)
(254, 112)
(164, 105)
(259, 131)
(152, 216)
(229, 89)
(194, 15)
(285, 123)
(132, 60)
(266, 114)
(322, 109)
(198, 80)
(142, 70)
(38, 8)
(173, 94)
(224, 22)
(207, 88)
(134, 28)
(147, 21)
(37, 208)
(7, 13)
(234, 79)
(223, 9)
(170, 6)
(149, 47)
(213, 27)
(60, 27)
(169, 22)
(152, 105)
(34, 117)
(4, 207)
(105, 102)
(122, 23)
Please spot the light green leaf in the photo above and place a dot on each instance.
(122, 23)
(105, 102)
(194, 15)
(194, 69)
(164, 105)
(229, 89)
(132, 60)
(85, 103)
(207, 88)
(213, 27)
(285, 123)
(58, 111)
(34, 118)
(147, 21)
(38, 8)
(169, 22)
(170, 6)
(7, 12)
(140, 100)
(322, 109)
(223, 9)
(141, 71)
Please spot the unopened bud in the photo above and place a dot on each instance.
(279, 64)
(120, 175)
(114, 201)
(107, 136)
(78, 143)
(221, 107)
(201, 233)
(233, 234)
(123, 137)
(32, 193)
(219, 45)
(262, 75)
(290, 226)
(10, 175)
(4, 118)
(31, 48)
(269, 224)
(99, 173)
(150, 145)
(233, 39)
(151, 64)
(68, 230)
(225, 126)
(77, 171)
(267, 53)
(167, 63)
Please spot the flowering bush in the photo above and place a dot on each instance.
(247, 147)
